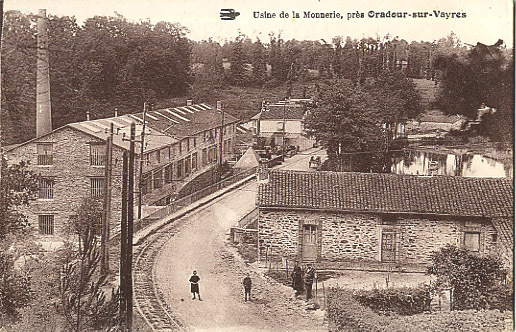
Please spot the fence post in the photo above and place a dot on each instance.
(316, 281)
(324, 296)
(266, 255)
(270, 260)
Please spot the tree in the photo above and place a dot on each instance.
(18, 77)
(41, 314)
(276, 60)
(397, 96)
(259, 63)
(484, 75)
(83, 301)
(209, 80)
(349, 60)
(238, 69)
(17, 188)
(106, 62)
(346, 121)
(473, 278)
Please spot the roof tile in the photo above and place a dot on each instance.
(389, 193)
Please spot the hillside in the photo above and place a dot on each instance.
(428, 91)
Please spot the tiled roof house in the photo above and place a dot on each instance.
(282, 121)
(402, 219)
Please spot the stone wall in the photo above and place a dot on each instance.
(417, 237)
(356, 237)
(278, 231)
(244, 236)
(71, 171)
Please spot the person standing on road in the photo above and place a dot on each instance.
(194, 285)
(297, 280)
(309, 280)
(247, 287)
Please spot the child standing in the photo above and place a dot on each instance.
(194, 285)
(247, 287)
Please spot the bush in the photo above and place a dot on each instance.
(403, 301)
(472, 278)
(15, 291)
(502, 297)
(347, 315)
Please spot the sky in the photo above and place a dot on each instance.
(486, 21)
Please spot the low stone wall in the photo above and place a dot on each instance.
(244, 236)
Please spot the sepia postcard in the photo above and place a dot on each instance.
(310, 165)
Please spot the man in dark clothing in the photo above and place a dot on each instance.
(247, 287)
(309, 280)
(297, 280)
(194, 285)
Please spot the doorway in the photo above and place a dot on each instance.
(309, 245)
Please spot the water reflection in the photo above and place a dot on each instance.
(429, 163)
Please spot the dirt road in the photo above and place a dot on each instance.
(201, 244)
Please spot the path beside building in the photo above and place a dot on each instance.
(200, 243)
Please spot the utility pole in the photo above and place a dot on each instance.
(130, 221)
(140, 171)
(1, 133)
(221, 141)
(126, 235)
(123, 243)
(283, 140)
(104, 248)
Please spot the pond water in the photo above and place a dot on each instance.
(430, 163)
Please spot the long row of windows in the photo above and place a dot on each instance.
(158, 178)
(185, 146)
(46, 154)
(471, 240)
(98, 150)
(153, 180)
(46, 187)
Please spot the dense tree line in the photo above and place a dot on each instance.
(106, 62)
(484, 75)
(272, 62)
(109, 62)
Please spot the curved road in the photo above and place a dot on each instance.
(200, 243)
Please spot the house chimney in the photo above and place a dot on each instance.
(88, 115)
(265, 105)
(43, 112)
(219, 105)
(116, 112)
(189, 102)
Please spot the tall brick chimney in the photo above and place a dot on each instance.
(43, 112)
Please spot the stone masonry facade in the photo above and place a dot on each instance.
(357, 237)
(71, 173)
